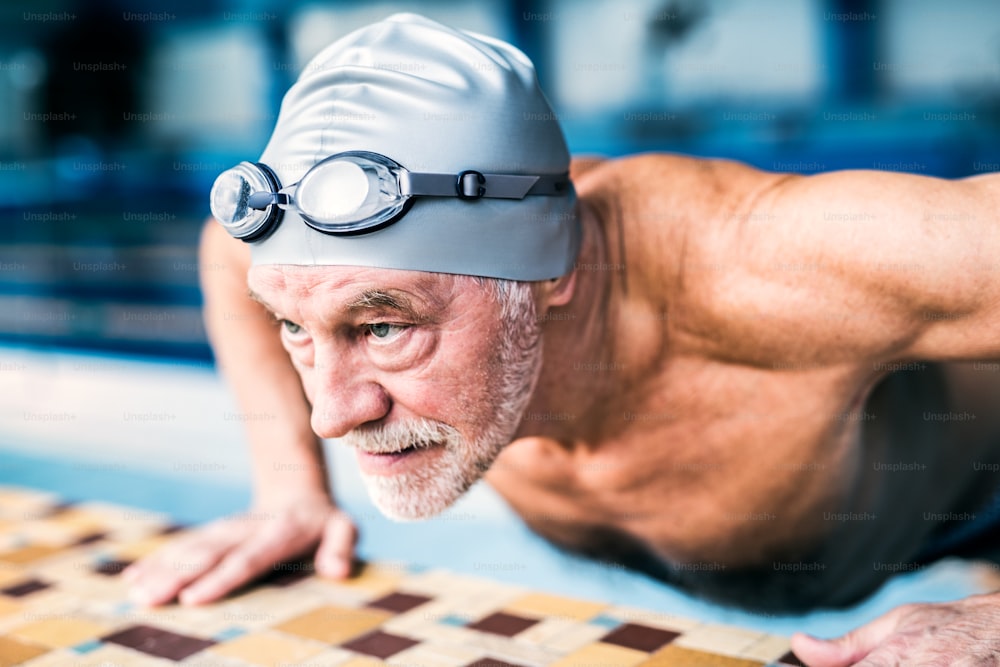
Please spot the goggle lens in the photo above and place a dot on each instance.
(349, 193)
(230, 199)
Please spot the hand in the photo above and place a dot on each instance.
(211, 561)
(955, 633)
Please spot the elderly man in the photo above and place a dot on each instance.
(740, 382)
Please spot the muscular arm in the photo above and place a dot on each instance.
(866, 265)
(286, 455)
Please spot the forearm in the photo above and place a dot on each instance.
(287, 458)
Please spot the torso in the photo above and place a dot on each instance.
(705, 449)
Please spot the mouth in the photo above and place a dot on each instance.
(391, 463)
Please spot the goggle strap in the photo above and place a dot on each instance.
(473, 185)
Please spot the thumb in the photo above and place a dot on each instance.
(336, 547)
(846, 649)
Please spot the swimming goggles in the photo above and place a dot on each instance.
(354, 192)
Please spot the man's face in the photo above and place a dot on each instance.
(419, 372)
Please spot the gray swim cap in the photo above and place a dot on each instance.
(437, 100)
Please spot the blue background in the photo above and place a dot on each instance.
(115, 118)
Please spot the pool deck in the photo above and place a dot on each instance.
(167, 437)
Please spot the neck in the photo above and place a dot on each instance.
(577, 344)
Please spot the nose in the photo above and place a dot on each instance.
(344, 397)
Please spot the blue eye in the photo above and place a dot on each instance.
(291, 327)
(384, 330)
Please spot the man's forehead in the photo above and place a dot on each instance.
(346, 285)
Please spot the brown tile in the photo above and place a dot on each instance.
(379, 644)
(111, 568)
(399, 602)
(791, 660)
(640, 637)
(157, 642)
(491, 662)
(172, 528)
(90, 538)
(25, 588)
(503, 624)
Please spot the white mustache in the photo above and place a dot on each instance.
(395, 437)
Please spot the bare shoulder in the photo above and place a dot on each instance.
(666, 220)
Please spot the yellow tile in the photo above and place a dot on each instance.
(676, 656)
(12, 574)
(14, 651)
(8, 606)
(334, 624)
(606, 655)
(374, 578)
(59, 632)
(30, 553)
(144, 547)
(76, 520)
(541, 605)
(268, 649)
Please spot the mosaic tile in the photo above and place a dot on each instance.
(334, 624)
(30, 554)
(790, 659)
(676, 656)
(379, 644)
(639, 637)
(491, 662)
(720, 639)
(14, 651)
(62, 603)
(157, 642)
(25, 588)
(607, 655)
(541, 604)
(58, 631)
(269, 649)
(506, 625)
(399, 602)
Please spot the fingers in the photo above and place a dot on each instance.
(242, 564)
(847, 649)
(336, 550)
(157, 579)
(213, 561)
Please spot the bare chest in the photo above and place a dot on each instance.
(721, 463)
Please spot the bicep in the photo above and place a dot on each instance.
(901, 265)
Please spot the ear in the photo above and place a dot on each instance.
(556, 292)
